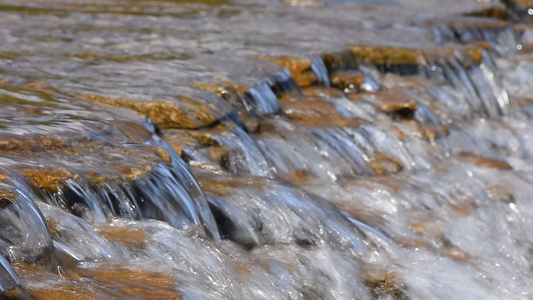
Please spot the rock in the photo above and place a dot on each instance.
(299, 67)
(519, 7)
(501, 193)
(461, 24)
(484, 161)
(184, 113)
(495, 11)
(383, 164)
(179, 141)
(220, 154)
(384, 284)
(408, 59)
(389, 101)
(46, 178)
(222, 185)
(123, 234)
(321, 92)
(347, 81)
(311, 112)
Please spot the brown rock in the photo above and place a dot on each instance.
(347, 81)
(320, 91)
(389, 101)
(462, 23)
(46, 178)
(223, 185)
(381, 283)
(501, 193)
(183, 113)
(219, 154)
(390, 55)
(123, 234)
(427, 131)
(299, 67)
(497, 12)
(315, 113)
(484, 161)
(383, 164)
(178, 141)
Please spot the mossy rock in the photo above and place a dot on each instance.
(184, 113)
(407, 60)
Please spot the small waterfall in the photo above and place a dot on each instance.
(481, 86)
(502, 39)
(398, 168)
(244, 156)
(25, 235)
(261, 99)
(320, 70)
(10, 283)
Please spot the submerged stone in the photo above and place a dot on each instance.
(484, 161)
(347, 81)
(408, 59)
(299, 67)
(183, 113)
(390, 101)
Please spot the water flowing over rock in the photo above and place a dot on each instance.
(215, 149)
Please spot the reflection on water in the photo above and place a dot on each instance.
(265, 150)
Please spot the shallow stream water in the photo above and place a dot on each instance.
(266, 149)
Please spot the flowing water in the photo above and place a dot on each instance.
(228, 149)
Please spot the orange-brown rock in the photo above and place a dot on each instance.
(484, 161)
(320, 91)
(63, 292)
(141, 284)
(501, 193)
(251, 122)
(315, 113)
(39, 85)
(389, 101)
(205, 137)
(455, 254)
(227, 90)
(381, 283)
(461, 23)
(359, 213)
(28, 146)
(178, 141)
(465, 208)
(411, 243)
(183, 113)
(426, 131)
(7, 195)
(123, 234)
(299, 67)
(384, 164)
(304, 109)
(224, 185)
(220, 154)
(496, 11)
(407, 55)
(347, 81)
(303, 3)
(519, 3)
(46, 178)
(481, 44)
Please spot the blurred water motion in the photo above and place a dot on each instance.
(265, 149)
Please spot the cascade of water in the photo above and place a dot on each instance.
(481, 86)
(25, 234)
(10, 283)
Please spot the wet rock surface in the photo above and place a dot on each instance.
(251, 150)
